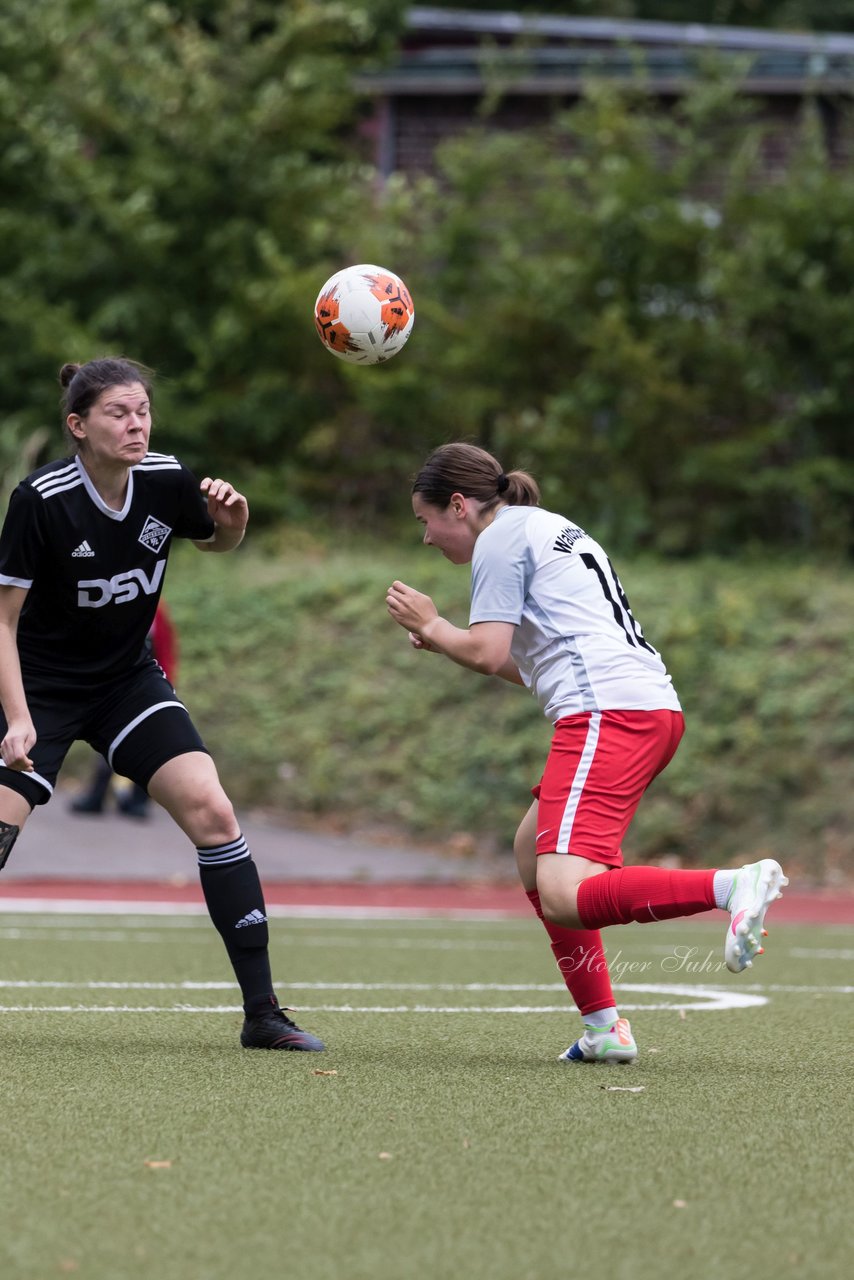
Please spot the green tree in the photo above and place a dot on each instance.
(174, 174)
(625, 302)
(620, 299)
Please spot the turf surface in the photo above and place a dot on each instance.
(438, 1135)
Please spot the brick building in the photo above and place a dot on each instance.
(451, 61)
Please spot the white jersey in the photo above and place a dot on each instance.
(577, 644)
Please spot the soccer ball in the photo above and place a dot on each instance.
(364, 314)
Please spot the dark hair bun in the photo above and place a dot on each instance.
(66, 373)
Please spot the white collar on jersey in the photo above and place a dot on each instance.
(96, 497)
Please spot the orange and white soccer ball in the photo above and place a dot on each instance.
(364, 314)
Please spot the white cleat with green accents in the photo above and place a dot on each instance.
(756, 886)
(603, 1044)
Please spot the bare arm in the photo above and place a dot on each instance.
(20, 731)
(510, 673)
(483, 647)
(229, 511)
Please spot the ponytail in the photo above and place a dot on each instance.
(471, 471)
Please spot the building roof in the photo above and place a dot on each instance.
(445, 51)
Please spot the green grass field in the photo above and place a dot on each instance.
(438, 1135)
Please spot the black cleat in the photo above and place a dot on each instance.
(87, 804)
(273, 1030)
(132, 807)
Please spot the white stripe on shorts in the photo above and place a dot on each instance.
(29, 773)
(574, 797)
(117, 741)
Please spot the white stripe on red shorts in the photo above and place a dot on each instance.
(600, 763)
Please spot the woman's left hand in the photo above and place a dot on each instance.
(227, 508)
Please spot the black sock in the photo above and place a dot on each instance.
(235, 901)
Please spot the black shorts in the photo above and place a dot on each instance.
(136, 720)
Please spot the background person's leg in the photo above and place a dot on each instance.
(92, 800)
(133, 802)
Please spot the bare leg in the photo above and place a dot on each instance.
(13, 807)
(525, 849)
(558, 878)
(14, 811)
(189, 789)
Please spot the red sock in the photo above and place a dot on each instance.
(643, 894)
(581, 960)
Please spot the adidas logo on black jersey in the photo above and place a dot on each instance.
(83, 550)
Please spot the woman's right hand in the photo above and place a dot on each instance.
(20, 738)
(410, 608)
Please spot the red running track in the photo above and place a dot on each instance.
(817, 907)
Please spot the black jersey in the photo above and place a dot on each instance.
(94, 575)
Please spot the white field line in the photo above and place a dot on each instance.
(22, 983)
(91, 907)
(200, 921)
(823, 953)
(41, 984)
(137, 935)
(87, 922)
(369, 1008)
(691, 998)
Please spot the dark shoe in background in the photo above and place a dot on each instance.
(134, 805)
(87, 803)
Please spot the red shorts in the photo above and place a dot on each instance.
(599, 766)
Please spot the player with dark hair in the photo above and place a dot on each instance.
(83, 554)
(548, 611)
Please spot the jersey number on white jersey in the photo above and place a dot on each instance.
(617, 599)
